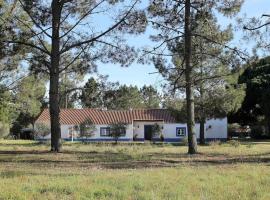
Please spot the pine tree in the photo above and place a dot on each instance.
(177, 22)
(63, 31)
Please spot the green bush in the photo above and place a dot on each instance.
(117, 130)
(87, 129)
(4, 130)
(42, 130)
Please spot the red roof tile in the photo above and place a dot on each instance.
(97, 116)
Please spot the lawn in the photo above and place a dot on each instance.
(134, 171)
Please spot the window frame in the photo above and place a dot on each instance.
(181, 128)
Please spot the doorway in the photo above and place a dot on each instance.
(148, 129)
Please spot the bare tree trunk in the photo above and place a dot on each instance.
(268, 125)
(54, 79)
(192, 141)
(202, 134)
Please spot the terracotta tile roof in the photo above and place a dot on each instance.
(97, 116)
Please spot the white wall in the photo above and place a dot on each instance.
(170, 130)
(138, 127)
(65, 132)
(219, 128)
(214, 128)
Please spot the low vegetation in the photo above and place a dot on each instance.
(134, 171)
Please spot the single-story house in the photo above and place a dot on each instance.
(139, 124)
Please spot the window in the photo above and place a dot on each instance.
(180, 131)
(105, 131)
(122, 132)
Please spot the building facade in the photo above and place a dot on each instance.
(139, 125)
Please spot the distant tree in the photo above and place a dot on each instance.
(117, 130)
(87, 129)
(69, 90)
(126, 97)
(98, 93)
(256, 105)
(29, 96)
(7, 110)
(150, 96)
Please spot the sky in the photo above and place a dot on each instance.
(138, 74)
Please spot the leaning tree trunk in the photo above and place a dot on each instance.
(54, 79)
(192, 142)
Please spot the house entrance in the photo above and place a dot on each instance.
(148, 129)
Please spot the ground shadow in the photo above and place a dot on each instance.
(122, 160)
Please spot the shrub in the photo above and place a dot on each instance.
(87, 129)
(42, 130)
(117, 130)
(156, 130)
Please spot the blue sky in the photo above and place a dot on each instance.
(138, 74)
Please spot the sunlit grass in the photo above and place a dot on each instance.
(134, 171)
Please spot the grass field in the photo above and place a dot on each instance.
(134, 171)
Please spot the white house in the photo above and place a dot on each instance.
(139, 124)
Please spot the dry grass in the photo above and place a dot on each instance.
(134, 171)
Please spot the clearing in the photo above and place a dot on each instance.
(125, 171)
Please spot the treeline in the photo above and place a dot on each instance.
(255, 108)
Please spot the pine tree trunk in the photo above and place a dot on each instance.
(268, 125)
(192, 142)
(202, 137)
(54, 79)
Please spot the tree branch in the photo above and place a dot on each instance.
(102, 34)
(256, 28)
(35, 34)
(83, 17)
(33, 20)
(74, 59)
(27, 44)
(235, 50)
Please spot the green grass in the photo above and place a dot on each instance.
(134, 171)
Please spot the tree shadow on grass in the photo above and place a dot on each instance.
(27, 144)
(122, 160)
